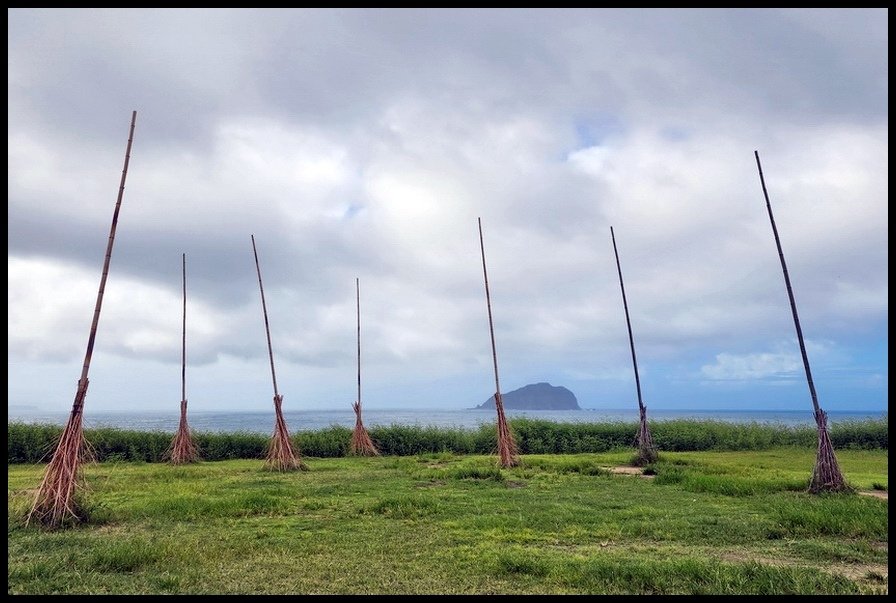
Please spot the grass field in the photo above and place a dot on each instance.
(706, 523)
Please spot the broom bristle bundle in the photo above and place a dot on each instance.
(56, 502)
(183, 449)
(508, 453)
(826, 476)
(647, 453)
(361, 444)
(282, 455)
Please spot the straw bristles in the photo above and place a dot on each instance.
(361, 444)
(282, 456)
(183, 449)
(826, 476)
(646, 451)
(57, 502)
(508, 454)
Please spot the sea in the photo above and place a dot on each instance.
(311, 420)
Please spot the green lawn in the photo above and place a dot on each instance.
(707, 523)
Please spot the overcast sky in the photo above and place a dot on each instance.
(366, 143)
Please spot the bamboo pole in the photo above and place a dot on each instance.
(646, 451)
(183, 331)
(281, 454)
(56, 502)
(507, 449)
(183, 449)
(361, 443)
(826, 476)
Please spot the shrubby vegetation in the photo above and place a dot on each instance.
(33, 443)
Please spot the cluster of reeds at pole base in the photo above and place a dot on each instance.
(59, 498)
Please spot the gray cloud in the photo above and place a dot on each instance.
(366, 143)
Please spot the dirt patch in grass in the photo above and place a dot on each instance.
(875, 575)
(862, 571)
(626, 470)
(882, 494)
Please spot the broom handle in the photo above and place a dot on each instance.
(796, 318)
(491, 328)
(628, 322)
(82, 382)
(358, 308)
(267, 328)
(183, 346)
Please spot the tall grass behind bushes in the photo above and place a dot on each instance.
(405, 440)
(34, 442)
(683, 435)
(861, 435)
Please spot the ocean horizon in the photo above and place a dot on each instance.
(311, 420)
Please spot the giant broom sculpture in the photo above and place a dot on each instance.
(183, 449)
(646, 451)
(361, 444)
(281, 455)
(57, 501)
(826, 476)
(508, 455)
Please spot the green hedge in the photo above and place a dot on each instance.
(33, 443)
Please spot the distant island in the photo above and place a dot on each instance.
(536, 396)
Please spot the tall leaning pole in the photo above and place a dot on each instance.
(281, 454)
(826, 476)
(508, 454)
(57, 501)
(361, 443)
(646, 450)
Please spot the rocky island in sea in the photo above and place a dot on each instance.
(536, 396)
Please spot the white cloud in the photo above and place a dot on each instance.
(785, 363)
(752, 366)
